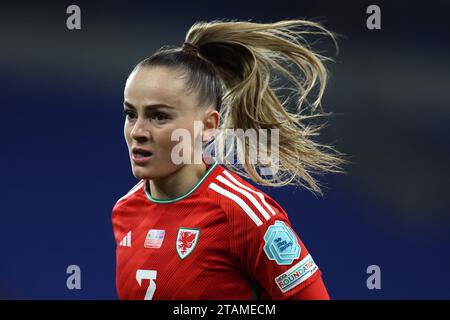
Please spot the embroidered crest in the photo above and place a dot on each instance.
(187, 239)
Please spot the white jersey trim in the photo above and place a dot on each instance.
(237, 200)
(133, 190)
(241, 192)
(246, 194)
(259, 194)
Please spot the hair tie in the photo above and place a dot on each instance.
(190, 48)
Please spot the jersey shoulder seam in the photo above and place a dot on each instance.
(131, 192)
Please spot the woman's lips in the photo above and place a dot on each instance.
(140, 156)
(140, 159)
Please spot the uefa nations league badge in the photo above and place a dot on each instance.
(154, 238)
(281, 244)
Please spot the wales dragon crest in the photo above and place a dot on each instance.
(187, 239)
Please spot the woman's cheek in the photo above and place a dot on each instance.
(162, 139)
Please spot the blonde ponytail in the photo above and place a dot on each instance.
(247, 56)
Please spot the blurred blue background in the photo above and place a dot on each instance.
(64, 161)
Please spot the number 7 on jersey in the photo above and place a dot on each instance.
(150, 275)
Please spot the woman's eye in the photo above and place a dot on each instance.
(128, 114)
(159, 117)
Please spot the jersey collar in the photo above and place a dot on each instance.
(187, 194)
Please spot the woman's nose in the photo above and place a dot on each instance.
(140, 130)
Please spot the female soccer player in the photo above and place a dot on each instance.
(198, 230)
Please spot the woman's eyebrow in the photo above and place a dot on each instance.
(149, 106)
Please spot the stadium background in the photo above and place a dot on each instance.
(64, 161)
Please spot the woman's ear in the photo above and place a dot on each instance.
(210, 124)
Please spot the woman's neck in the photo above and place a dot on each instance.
(178, 183)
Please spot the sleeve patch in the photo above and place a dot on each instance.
(297, 274)
(281, 244)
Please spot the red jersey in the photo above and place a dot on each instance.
(224, 239)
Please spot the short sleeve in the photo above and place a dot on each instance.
(270, 252)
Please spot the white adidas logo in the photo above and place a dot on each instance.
(126, 241)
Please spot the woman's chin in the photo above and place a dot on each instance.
(142, 173)
(146, 173)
